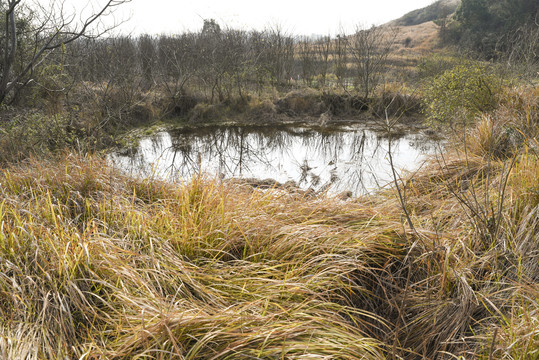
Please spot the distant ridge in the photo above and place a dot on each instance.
(432, 12)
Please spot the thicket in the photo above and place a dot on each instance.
(498, 29)
(215, 64)
(226, 65)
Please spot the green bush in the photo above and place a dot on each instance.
(461, 92)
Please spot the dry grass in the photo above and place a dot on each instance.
(416, 40)
(97, 265)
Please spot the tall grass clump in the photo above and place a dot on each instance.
(480, 200)
(95, 264)
(510, 128)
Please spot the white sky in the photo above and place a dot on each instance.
(299, 17)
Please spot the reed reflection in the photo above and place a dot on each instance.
(344, 159)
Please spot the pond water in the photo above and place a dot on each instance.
(347, 158)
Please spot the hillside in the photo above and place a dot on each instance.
(416, 39)
(418, 30)
(433, 12)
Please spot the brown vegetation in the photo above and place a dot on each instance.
(95, 264)
(99, 265)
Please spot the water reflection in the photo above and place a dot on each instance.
(344, 159)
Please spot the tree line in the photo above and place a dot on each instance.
(215, 63)
(224, 63)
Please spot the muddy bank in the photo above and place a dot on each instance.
(291, 187)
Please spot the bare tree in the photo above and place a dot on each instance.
(341, 59)
(236, 60)
(369, 49)
(307, 58)
(47, 29)
(258, 47)
(280, 54)
(211, 50)
(177, 62)
(323, 52)
(147, 57)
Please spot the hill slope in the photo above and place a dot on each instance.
(440, 8)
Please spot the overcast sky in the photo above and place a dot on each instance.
(299, 17)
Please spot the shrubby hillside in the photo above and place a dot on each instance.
(433, 12)
(497, 28)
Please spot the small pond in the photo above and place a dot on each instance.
(347, 158)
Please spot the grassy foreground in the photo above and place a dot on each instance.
(97, 265)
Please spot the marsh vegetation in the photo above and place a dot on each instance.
(184, 260)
